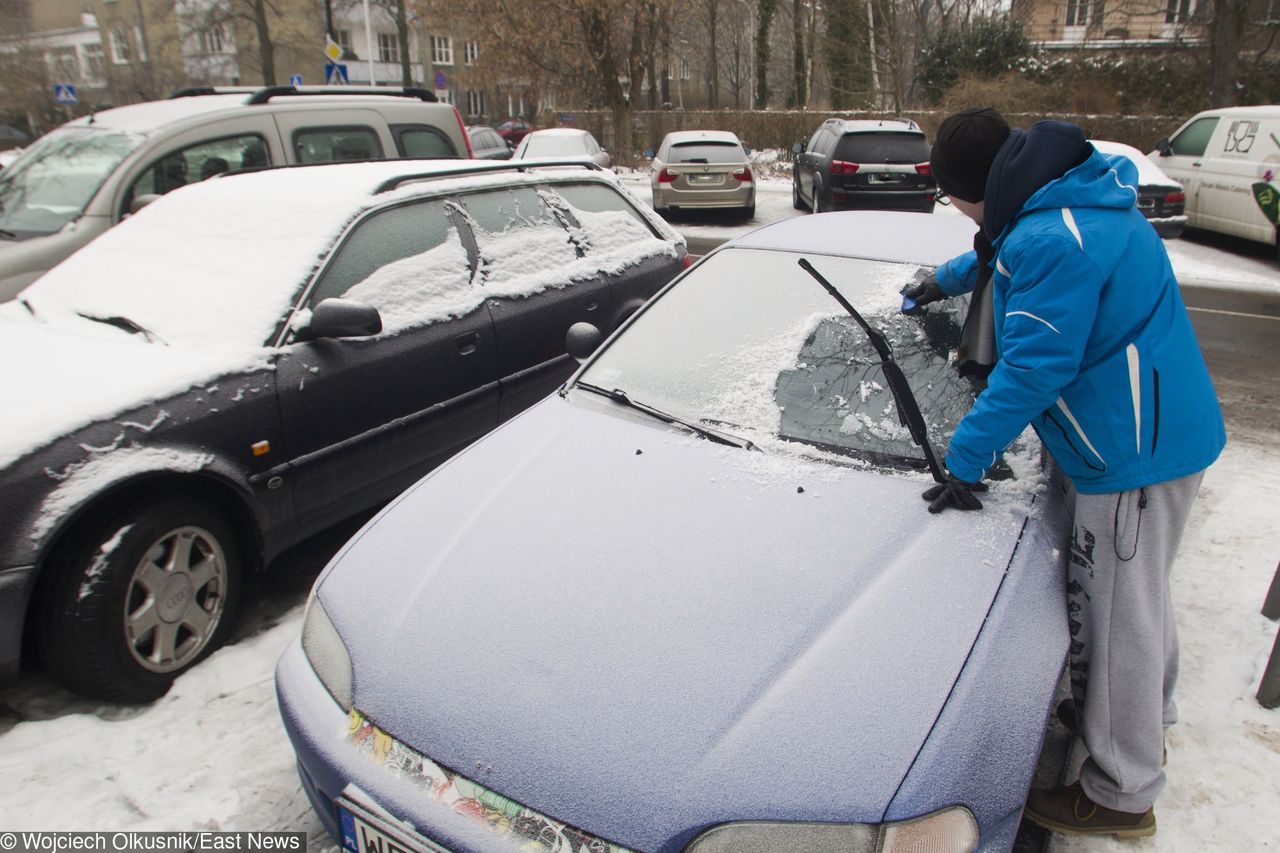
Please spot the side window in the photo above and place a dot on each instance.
(520, 240)
(827, 144)
(199, 162)
(329, 144)
(601, 222)
(1194, 139)
(813, 142)
(408, 262)
(422, 142)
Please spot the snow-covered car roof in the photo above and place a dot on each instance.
(560, 131)
(1149, 174)
(677, 137)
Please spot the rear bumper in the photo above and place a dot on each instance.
(1168, 227)
(743, 196)
(862, 199)
(15, 592)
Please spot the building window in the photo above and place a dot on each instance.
(684, 69)
(475, 103)
(472, 52)
(64, 64)
(1179, 11)
(388, 47)
(343, 39)
(442, 50)
(1081, 13)
(142, 44)
(211, 39)
(94, 70)
(120, 47)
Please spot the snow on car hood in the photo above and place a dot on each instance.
(640, 633)
(58, 379)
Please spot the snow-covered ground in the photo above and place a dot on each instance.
(212, 754)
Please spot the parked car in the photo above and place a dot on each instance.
(11, 137)
(693, 601)
(562, 143)
(702, 169)
(97, 170)
(252, 359)
(1160, 197)
(881, 164)
(514, 130)
(486, 144)
(1228, 159)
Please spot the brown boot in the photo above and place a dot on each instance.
(1070, 811)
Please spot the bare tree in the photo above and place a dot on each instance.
(764, 19)
(799, 90)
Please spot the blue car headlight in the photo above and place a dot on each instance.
(951, 830)
(326, 652)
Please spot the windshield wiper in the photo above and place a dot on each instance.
(6, 234)
(620, 396)
(127, 325)
(908, 408)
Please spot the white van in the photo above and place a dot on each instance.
(1219, 156)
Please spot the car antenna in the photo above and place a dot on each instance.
(908, 408)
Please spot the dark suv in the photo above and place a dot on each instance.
(864, 164)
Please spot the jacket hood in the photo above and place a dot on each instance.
(643, 634)
(1037, 168)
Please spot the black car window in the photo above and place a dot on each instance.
(1194, 139)
(422, 142)
(197, 163)
(408, 262)
(517, 234)
(879, 147)
(827, 144)
(816, 140)
(707, 152)
(330, 144)
(598, 216)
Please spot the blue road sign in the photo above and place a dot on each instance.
(65, 94)
(336, 73)
(442, 82)
(295, 80)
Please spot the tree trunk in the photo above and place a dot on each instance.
(402, 33)
(266, 50)
(797, 64)
(763, 21)
(1226, 35)
(713, 84)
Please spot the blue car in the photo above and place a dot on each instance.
(693, 601)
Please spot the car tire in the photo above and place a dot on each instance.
(818, 206)
(749, 212)
(796, 201)
(139, 597)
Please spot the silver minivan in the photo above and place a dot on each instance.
(80, 179)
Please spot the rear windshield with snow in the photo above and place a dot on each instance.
(883, 148)
(750, 343)
(707, 152)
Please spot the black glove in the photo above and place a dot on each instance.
(953, 493)
(921, 293)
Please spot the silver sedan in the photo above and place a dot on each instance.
(702, 169)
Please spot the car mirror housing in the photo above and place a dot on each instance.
(581, 341)
(341, 318)
(648, 153)
(798, 148)
(1163, 147)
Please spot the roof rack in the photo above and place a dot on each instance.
(483, 168)
(263, 94)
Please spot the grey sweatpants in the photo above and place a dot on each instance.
(1124, 646)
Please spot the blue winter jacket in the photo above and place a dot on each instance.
(1096, 349)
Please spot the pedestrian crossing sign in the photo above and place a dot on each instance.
(335, 73)
(65, 94)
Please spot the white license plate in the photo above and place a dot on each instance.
(884, 179)
(363, 832)
(705, 179)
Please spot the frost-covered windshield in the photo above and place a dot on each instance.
(54, 179)
(750, 343)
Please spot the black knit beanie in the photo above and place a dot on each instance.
(963, 151)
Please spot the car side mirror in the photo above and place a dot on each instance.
(798, 148)
(648, 153)
(582, 340)
(141, 201)
(1164, 147)
(746, 150)
(341, 318)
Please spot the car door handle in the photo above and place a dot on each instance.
(591, 306)
(1196, 164)
(466, 344)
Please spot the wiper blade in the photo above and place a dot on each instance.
(127, 325)
(908, 408)
(6, 234)
(620, 396)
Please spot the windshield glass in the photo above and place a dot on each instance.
(52, 182)
(707, 152)
(883, 148)
(748, 341)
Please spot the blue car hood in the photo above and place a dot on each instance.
(642, 633)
